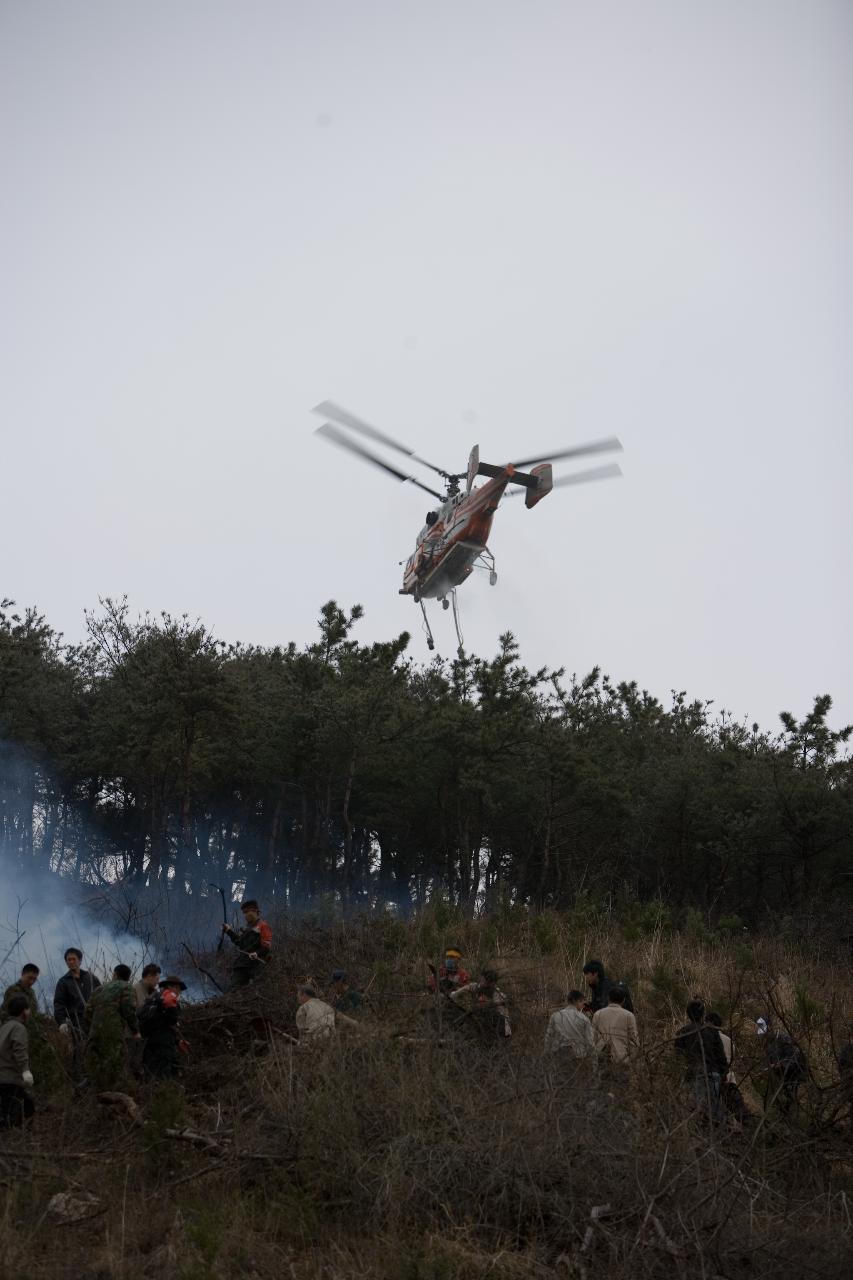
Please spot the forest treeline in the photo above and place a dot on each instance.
(154, 753)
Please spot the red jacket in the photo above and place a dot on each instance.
(448, 980)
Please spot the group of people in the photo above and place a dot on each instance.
(122, 1026)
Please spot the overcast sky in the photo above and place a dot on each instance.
(513, 223)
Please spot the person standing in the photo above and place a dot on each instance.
(600, 986)
(146, 987)
(109, 1019)
(701, 1048)
(570, 1030)
(23, 987)
(160, 1027)
(615, 1028)
(73, 992)
(731, 1096)
(253, 943)
(16, 1078)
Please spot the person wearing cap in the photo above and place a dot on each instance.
(345, 999)
(253, 943)
(110, 1018)
(73, 992)
(491, 1007)
(160, 1026)
(450, 975)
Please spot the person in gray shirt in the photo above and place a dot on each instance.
(569, 1030)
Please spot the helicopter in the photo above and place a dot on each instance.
(454, 539)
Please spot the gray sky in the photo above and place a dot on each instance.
(515, 223)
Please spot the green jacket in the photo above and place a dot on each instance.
(113, 1004)
(14, 1052)
(18, 989)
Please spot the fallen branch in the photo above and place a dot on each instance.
(206, 972)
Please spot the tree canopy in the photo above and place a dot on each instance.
(156, 753)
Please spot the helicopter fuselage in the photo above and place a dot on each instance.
(447, 548)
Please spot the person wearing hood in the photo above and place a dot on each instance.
(600, 986)
(73, 992)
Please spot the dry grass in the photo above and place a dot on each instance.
(391, 1160)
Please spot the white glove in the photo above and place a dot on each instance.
(27, 1077)
(65, 1029)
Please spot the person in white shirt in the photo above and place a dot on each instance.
(315, 1020)
(616, 1029)
(570, 1030)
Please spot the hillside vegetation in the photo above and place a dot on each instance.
(409, 1151)
(156, 756)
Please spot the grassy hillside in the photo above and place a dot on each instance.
(389, 1157)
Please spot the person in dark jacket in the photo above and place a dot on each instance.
(73, 992)
(787, 1068)
(110, 1018)
(699, 1044)
(253, 943)
(16, 1103)
(346, 998)
(23, 987)
(600, 986)
(159, 1020)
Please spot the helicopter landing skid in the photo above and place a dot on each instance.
(445, 604)
(427, 627)
(485, 560)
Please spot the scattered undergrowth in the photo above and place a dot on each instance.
(411, 1150)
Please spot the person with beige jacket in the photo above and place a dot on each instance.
(616, 1029)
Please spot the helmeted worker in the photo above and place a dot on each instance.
(159, 1022)
(23, 987)
(109, 1019)
(253, 943)
(569, 1030)
(451, 975)
(16, 1078)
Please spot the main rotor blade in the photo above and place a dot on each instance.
(611, 469)
(578, 451)
(331, 433)
(328, 409)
